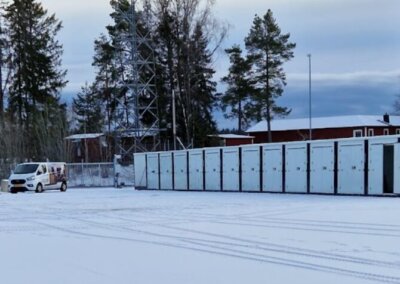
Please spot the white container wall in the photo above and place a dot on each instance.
(375, 163)
(296, 167)
(272, 168)
(196, 170)
(322, 167)
(351, 165)
(396, 185)
(166, 171)
(230, 173)
(180, 170)
(152, 171)
(213, 169)
(251, 168)
(139, 161)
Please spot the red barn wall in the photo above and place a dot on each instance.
(238, 142)
(319, 134)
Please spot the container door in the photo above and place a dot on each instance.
(396, 168)
(152, 171)
(251, 168)
(351, 165)
(296, 168)
(140, 170)
(375, 169)
(376, 165)
(180, 171)
(322, 175)
(388, 169)
(166, 171)
(272, 168)
(213, 169)
(231, 169)
(196, 170)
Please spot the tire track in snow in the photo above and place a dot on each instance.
(233, 252)
(282, 249)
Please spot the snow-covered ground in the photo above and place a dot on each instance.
(126, 236)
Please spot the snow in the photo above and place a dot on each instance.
(108, 235)
(325, 122)
(232, 136)
(84, 136)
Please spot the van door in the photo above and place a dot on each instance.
(44, 175)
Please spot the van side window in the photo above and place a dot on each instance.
(44, 170)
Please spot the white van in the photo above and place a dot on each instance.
(38, 177)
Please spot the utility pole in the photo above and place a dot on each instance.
(309, 96)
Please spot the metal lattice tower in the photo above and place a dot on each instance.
(138, 129)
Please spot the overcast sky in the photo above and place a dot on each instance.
(355, 47)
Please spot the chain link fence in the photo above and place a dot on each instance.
(99, 175)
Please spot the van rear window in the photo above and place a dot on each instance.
(26, 168)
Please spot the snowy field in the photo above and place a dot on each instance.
(126, 236)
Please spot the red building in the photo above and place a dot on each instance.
(233, 139)
(87, 148)
(326, 128)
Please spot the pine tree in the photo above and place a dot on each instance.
(268, 50)
(88, 108)
(182, 64)
(37, 77)
(179, 22)
(240, 88)
(203, 88)
(106, 81)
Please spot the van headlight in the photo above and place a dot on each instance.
(30, 178)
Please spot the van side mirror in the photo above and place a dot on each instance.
(38, 173)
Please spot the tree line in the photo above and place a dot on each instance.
(184, 34)
(32, 119)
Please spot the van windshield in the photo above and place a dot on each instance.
(26, 169)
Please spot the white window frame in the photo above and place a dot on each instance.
(357, 133)
(385, 131)
(371, 132)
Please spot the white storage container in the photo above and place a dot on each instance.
(196, 169)
(166, 171)
(213, 169)
(351, 166)
(322, 167)
(180, 170)
(272, 168)
(296, 167)
(375, 163)
(396, 184)
(230, 172)
(251, 168)
(153, 171)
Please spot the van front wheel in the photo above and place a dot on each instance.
(63, 187)
(39, 188)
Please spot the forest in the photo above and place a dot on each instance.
(183, 38)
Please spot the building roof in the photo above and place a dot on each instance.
(84, 136)
(232, 136)
(325, 122)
